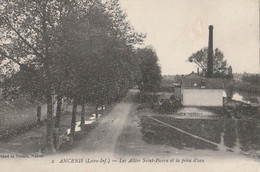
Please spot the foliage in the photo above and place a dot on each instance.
(253, 79)
(150, 71)
(241, 86)
(30, 32)
(44, 56)
(103, 72)
(220, 66)
(177, 79)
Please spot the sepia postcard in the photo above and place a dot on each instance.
(129, 85)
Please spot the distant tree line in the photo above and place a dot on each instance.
(244, 83)
(254, 79)
(82, 50)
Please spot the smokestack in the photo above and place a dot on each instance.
(210, 53)
(198, 71)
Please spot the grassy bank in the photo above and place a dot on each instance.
(18, 116)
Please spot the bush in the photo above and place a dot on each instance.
(147, 97)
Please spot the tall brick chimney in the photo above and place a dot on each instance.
(210, 53)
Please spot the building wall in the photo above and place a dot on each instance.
(202, 97)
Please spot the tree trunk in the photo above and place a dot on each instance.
(49, 141)
(82, 115)
(47, 67)
(57, 122)
(39, 114)
(102, 108)
(73, 119)
(97, 111)
(58, 111)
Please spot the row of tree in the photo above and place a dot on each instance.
(81, 50)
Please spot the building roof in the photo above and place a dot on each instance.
(196, 81)
(193, 75)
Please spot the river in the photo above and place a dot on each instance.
(246, 97)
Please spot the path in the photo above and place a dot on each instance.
(103, 138)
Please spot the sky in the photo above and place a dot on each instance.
(178, 28)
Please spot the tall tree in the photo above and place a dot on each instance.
(220, 66)
(89, 62)
(150, 71)
(101, 69)
(31, 30)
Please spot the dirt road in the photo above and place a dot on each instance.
(103, 137)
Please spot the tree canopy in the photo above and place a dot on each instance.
(220, 65)
(253, 79)
(81, 50)
(150, 72)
